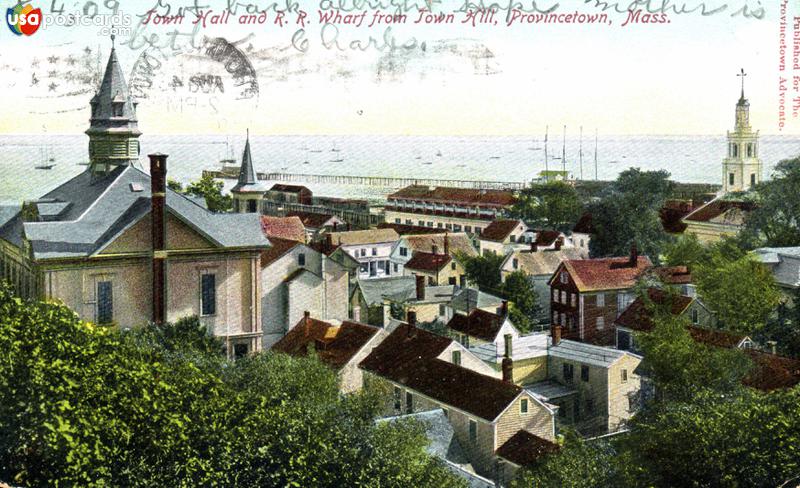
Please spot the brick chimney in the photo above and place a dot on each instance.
(158, 233)
(508, 363)
(555, 334)
(503, 308)
(307, 323)
(446, 243)
(534, 246)
(328, 242)
(411, 318)
(420, 282)
(434, 249)
(633, 260)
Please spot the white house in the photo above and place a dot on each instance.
(371, 248)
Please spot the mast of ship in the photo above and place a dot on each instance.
(546, 169)
(595, 155)
(564, 153)
(580, 152)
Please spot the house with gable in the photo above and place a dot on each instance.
(503, 236)
(499, 425)
(119, 248)
(784, 263)
(587, 295)
(339, 345)
(371, 248)
(317, 224)
(455, 244)
(481, 326)
(376, 301)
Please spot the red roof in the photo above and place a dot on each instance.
(674, 275)
(334, 345)
(278, 248)
(524, 448)
(409, 357)
(499, 230)
(605, 274)
(284, 227)
(312, 220)
(715, 337)
(427, 261)
(672, 214)
(444, 194)
(584, 225)
(546, 238)
(404, 229)
(639, 317)
(289, 188)
(716, 208)
(479, 324)
(772, 372)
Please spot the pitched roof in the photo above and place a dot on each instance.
(500, 229)
(277, 249)
(405, 229)
(479, 324)
(283, 227)
(370, 236)
(313, 220)
(408, 356)
(719, 211)
(639, 317)
(469, 299)
(395, 288)
(429, 262)
(247, 183)
(113, 89)
(500, 198)
(772, 372)
(288, 188)
(101, 209)
(547, 238)
(458, 242)
(335, 345)
(672, 214)
(524, 448)
(674, 275)
(606, 273)
(11, 224)
(716, 337)
(542, 263)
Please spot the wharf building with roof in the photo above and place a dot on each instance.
(120, 248)
(453, 209)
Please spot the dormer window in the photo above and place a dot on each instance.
(117, 108)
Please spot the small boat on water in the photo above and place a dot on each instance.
(337, 160)
(427, 162)
(316, 150)
(47, 162)
(44, 166)
(535, 148)
(439, 154)
(494, 157)
(306, 162)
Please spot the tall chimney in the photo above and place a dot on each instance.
(633, 261)
(158, 232)
(508, 363)
(446, 243)
(534, 246)
(434, 249)
(411, 318)
(328, 242)
(420, 282)
(503, 308)
(555, 334)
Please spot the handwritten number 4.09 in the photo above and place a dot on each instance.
(90, 7)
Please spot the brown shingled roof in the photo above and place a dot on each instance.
(727, 209)
(605, 274)
(428, 262)
(524, 448)
(278, 248)
(458, 242)
(546, 238)
(672, 214)
(405, 229)
(772, 372)
(499, 229)
(408, 357)
(674, 275)
(715, 337)
(496, 198)
(288, 188)
(310, 219)
(284, 227)
(638, 317)
(334, 345)
(584, 224)
(479, 324)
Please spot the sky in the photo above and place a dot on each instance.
(672, 78)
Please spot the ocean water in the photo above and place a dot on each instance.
(518, 158)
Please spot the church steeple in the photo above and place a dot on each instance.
(248, 190)
(742, 169)
(113, 129)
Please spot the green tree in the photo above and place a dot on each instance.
(628, 213)
(174, 185)
(741, 293)
(82, 405)
(210, 189)
(483, 271)
(776, 220)
(553, 205)
(519, 290)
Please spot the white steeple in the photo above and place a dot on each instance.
(741, 169)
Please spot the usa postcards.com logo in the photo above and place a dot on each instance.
(23, 19)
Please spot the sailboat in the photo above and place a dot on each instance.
(47, 162)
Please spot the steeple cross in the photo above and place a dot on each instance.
(742, 75)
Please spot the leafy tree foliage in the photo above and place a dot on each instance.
(210, 189)
(553, 205)
(776, 220)
(784, 327)
(483, 271)
(519, 290)
(82, 405)
(629, 213)
(174, 185)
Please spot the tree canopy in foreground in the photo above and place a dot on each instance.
(83, 405)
